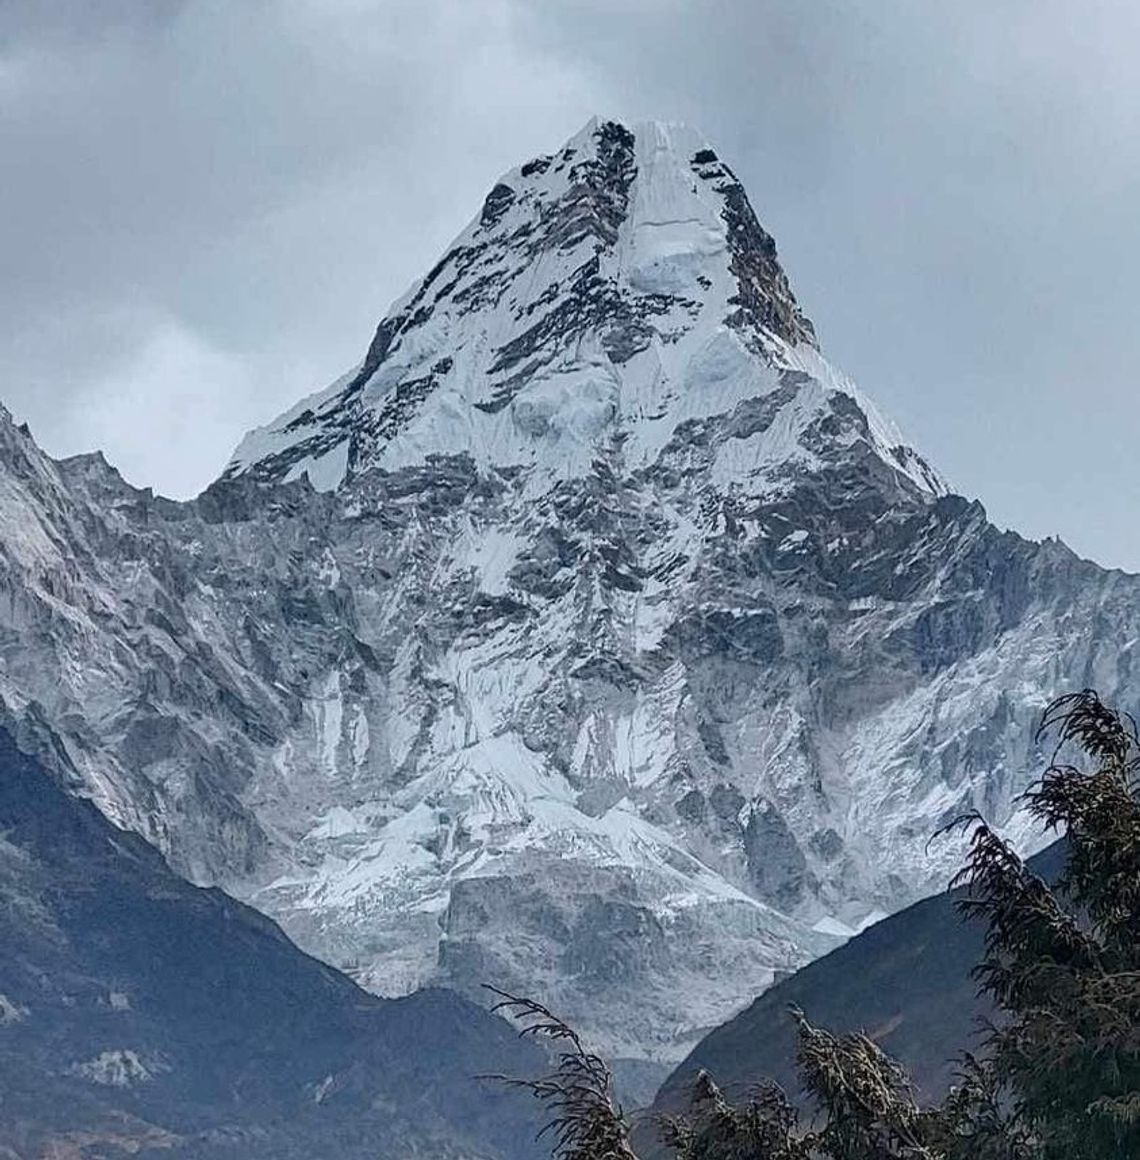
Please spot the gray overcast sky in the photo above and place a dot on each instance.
(206, 206)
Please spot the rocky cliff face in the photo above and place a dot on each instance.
(594, 636)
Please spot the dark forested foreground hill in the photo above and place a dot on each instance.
(905, 981)
(141, 1015)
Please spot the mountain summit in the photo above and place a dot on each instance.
(603, 295)
(594, 637)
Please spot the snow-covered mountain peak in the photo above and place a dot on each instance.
(623, 654)
(604, 296)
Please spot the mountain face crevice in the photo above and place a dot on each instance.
(593, 600)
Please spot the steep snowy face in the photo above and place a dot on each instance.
(603, 296)
(603, 383)
(594, 637)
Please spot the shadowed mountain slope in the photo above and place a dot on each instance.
(906, 981)
(140, 1015)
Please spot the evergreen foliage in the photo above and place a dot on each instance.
(1063, 964)
(585, 1121)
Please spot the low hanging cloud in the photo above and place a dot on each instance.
(240, 189)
